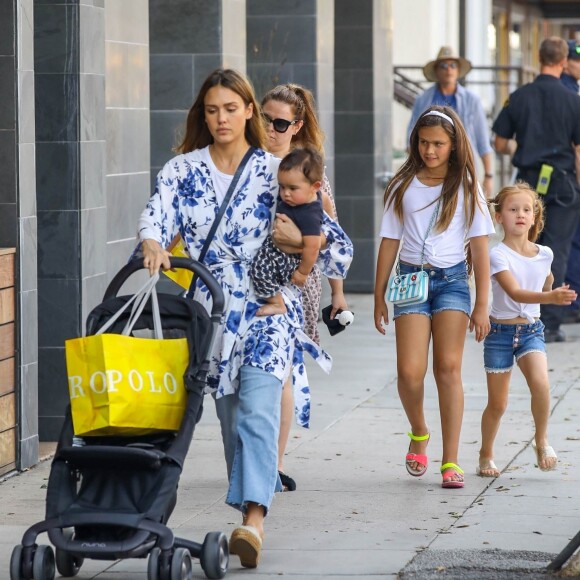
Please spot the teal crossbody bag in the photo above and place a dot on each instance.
(412, 288)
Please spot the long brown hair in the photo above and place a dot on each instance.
(522, 187)
(302, 102)
(197, 134)
(461, 170)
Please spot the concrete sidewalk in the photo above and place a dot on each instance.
(356, 511)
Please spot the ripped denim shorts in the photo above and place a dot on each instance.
(448, 290)
(506, 341)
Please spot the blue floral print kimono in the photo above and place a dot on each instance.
(184, 202)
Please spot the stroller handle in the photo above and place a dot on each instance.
(185, 263)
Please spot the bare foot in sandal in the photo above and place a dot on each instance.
(487, 468)
(545, 456)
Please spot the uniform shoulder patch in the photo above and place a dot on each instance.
(506, 103)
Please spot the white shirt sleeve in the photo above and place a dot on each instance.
(482, 223)
(498, 261)
(391, 225)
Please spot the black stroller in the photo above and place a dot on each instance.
(111, 498)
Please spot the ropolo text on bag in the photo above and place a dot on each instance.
(124, 385)
(412, 288)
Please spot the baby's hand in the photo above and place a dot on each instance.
(299, 278)
(563, 295)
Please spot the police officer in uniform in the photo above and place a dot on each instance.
(544, 119)
(569, 79)
(571, 74)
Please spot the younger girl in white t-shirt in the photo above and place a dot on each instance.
(521, 281)
(437, 185)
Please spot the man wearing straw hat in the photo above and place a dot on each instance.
(445, 71)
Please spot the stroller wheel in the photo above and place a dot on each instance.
(181, 568)
(153, 565)
(67, 564)
(16, 563)
(215, 555)
(43, 563)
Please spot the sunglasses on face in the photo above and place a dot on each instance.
(446, 65)
(280, 125)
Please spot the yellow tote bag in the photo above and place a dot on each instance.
(181, 276)
(123, 385)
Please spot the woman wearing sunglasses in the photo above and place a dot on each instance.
(445, 71)
(289, 111)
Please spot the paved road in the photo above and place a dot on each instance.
(356, 512)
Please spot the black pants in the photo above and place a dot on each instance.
(272, 269)
(562, 217)
(573, 271)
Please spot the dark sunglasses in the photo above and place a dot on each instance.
(446, 65)
(280, 125)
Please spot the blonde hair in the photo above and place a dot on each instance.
(197, 134)
(302, 102)
(499, 200)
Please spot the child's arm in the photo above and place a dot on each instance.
(385, 261)
(479, 319)
(287, 236)
(310, 249)
(549, 282)
(561, 295)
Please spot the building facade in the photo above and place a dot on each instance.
(94, 94)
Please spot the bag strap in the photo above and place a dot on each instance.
(140, 297)
(429, 227)
(221, 212)
(138, 307)
(431, 223)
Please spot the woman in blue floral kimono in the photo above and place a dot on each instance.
(251, 356)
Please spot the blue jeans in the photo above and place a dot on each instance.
(250, 424)
(506, 341)
(448, 290)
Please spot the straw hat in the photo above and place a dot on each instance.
(446, 53)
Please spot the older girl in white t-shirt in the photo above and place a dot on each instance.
(436, 185)
(521, 281)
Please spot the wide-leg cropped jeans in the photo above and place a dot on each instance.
(250, 424)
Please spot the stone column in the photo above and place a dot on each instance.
(127, 121)
(363, 96)
(188, 40)
(18, 228)
(70, 148)
(295, 46)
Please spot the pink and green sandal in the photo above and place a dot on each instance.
(449, 471)
(416, 458)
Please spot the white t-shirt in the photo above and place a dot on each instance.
(530, 273)
(442, 249)
(221, 181)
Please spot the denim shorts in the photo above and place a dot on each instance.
(506, 341)
(448, 290)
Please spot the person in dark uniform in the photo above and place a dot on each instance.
(544, 119)
(569, 79)
(571, 74)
